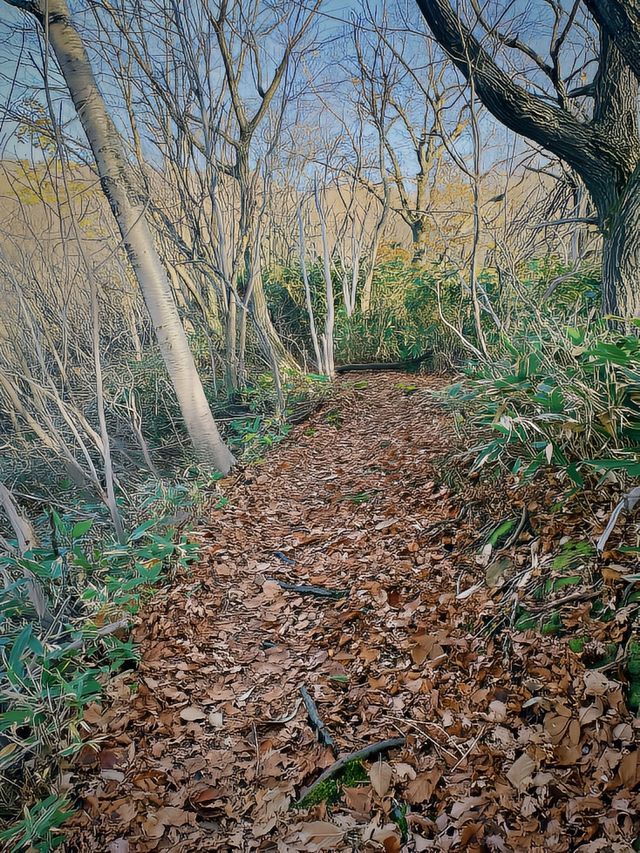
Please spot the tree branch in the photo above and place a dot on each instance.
(520, 110)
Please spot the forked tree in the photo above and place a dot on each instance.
(579, 103)
(127, 203)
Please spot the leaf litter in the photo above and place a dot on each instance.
(511, 742)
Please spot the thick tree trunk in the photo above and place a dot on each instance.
(621, 254)
(419, 230)
(129, 211)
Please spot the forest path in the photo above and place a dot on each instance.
(208, 744)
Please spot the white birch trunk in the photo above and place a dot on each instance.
(128, 208)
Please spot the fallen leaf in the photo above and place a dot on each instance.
(521, 772)
(421, 789)
(321, 833)
(191, 713)
(380, 775)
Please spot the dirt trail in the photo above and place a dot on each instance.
(208, 743)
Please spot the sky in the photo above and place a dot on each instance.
(20, 63)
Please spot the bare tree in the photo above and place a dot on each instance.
(213, 100)
(411, 109)
(600, 142)
(128, 206)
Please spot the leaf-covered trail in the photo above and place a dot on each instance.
(208, 743)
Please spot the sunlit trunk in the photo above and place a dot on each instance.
(128, 206)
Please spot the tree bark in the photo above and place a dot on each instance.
(621, 19)
(128, 207)
(605, 151)
(621, 254)
(419, 229)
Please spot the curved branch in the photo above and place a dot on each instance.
(520, 110)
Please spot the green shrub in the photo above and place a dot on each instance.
(56, 660)
(568, 398)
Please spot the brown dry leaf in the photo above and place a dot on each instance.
(426, 647)
(596, 683)
(358, 799)
(629, 770)
(406, 645)
(381, 774)
(191, 713)
(421, 789)
(389, 838)
(521, 771)
(126, 812)
(168, 816)
(321, 834)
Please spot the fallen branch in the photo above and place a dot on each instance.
(316, 723)
(359, 755)
(393, 365)
(576, 596)
(105, 631)
(307, 589)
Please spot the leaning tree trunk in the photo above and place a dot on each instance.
(128, 209)
(621, 253)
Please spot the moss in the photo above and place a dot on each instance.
(330, 791)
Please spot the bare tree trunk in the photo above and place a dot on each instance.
(230, 347)
(27, 540)
(473, 261)
(367, 287)
(128, 209)
(329, 321)
(419, 229)
(307, 292)
(102, 418)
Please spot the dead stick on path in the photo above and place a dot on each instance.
(359, 755)
(316, 723)
(307, 589)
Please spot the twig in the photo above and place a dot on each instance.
(316, 723)
(359, 755)
(576, 596)
(469, 750)
(102, 632)
(307, 589)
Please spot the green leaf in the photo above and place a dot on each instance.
(141, 529)
(81, 528)
(630, 466)
(20, 646)
(576, 335)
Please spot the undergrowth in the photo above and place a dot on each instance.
(65, 615)
(569, 400)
